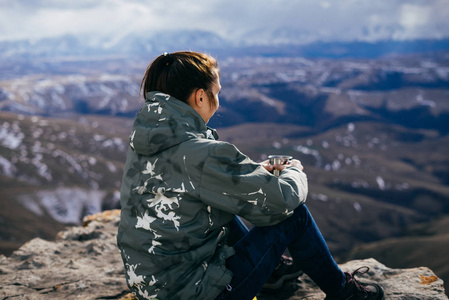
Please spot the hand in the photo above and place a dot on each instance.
(266, 165)
(293, 163)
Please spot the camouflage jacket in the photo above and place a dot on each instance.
(180, 189)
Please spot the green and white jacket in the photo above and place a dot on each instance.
(180, 189)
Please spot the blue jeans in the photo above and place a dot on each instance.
(258, 252)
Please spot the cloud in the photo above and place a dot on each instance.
(235, 19)
(414, 15)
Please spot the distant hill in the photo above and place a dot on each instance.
(69, 168)
(319, 93)
(148, 44)
(55, 171)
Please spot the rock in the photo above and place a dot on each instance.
(415, 283)
(84, 263)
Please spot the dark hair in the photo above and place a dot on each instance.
(179, 74)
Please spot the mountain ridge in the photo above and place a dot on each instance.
(153, 43)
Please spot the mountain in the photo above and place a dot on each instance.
(278, 42)
(141, 44)
(62, 95)
(320, 93)
(57, 170)
(408, 90)
(361, 49)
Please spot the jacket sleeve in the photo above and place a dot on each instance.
(234, 183)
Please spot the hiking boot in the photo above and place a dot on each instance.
(354, 290)
(284, 271)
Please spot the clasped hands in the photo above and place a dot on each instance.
(293, 163)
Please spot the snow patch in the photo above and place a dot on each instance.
(425, 102)
(380, 182)
(65, 205)
(7, 167)
(310, 151)
(351, 127)
(357, 206)
(10, 135)
(320, 197)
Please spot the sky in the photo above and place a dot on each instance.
(309, 20)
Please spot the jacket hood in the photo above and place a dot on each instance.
(164, 122)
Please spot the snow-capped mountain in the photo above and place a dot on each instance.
(410, 91)
(277, 41)
(144, 43)
(107, 94)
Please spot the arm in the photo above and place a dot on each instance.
(234, 183)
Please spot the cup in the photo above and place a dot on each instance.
(280, 160)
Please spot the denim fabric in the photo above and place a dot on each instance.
(237, 230)
(258, 252)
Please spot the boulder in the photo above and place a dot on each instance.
(84, 263)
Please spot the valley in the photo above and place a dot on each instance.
(371, 133)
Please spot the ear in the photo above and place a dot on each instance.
(200, 97)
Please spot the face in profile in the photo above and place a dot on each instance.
(203, 104)
(215, 91)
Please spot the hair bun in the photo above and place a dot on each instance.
(167, 58)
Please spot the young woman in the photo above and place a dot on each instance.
(182, 191)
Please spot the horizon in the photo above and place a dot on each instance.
(251, 22)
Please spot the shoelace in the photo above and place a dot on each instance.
(286, 260)
(361, 270)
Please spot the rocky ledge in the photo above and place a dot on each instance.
(85, 263)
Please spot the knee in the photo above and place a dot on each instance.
(302, 216)
(296, 224)
(302, 212)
